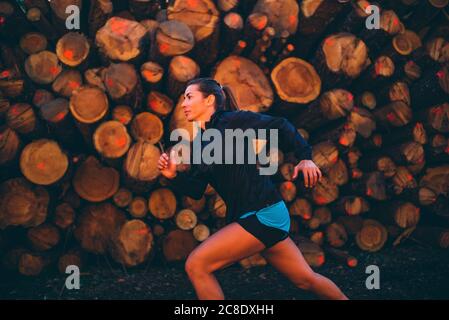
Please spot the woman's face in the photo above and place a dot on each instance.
(195, 106)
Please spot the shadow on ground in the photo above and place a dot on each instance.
(410, 271)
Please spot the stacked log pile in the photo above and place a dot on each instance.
(85, 115)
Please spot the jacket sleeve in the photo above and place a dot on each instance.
(289, 138)
(191, 183)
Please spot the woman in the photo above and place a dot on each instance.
(258, 220)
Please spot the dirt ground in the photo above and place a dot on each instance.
(410, 271)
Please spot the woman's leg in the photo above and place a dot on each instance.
(286, 257)
(226, 246)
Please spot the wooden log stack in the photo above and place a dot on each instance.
(85, 115)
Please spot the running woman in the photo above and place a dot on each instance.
(257, 219)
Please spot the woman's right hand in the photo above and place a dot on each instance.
(167, 165)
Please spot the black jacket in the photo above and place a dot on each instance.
(241, 186)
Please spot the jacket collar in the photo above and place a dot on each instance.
(213, 119)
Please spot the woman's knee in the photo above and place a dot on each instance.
(194, 265)
(306, 281)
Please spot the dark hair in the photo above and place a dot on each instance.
(224, 99)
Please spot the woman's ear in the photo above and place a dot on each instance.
(210, 100)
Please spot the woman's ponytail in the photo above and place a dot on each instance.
(230, 103)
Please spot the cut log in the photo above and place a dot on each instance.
(122, 198)
(138, 207)
(296, 81)
(159, 103)
(341, 58)
(123, 114)
(180, 71)
(111, 139)
(287, 190)
(140, 167)
(32, 264)
(33, 42)
(331, 105)
(67, 82)
(97, 226)
(201, 232)
(10, 144)
(147, 127)
(372, 185)
(22, 203)
(282, 16)
(395, 114)
(338, 174)
(88, 104)
(43, 67)
(11, 83)
(325, 192)
(256, 260)
(162, 203)
(72, 49)
(123, 84)
(43, 162)
(94, 182)
(178, 244)
(321, 216)
(132, 245)
(93, 77)
(247, 82)
(22, 118)
(64, 216)
(122, 40)
(372, 236)
(336, 235)
(152, 74)
(186, 219)
(343, 134)
(202, 17)
(325, 155)
(43, 237)
(301, 208)
(317, 237)
(350, 205)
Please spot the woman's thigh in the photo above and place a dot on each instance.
(226, 246)
(286, 257)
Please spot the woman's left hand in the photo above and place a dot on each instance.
(312, 174)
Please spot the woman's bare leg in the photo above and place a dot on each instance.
(228, 245)
(286, 257)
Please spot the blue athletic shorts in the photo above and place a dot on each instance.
(270, 224)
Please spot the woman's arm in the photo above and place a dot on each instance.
(289, 138)
(191, 183)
